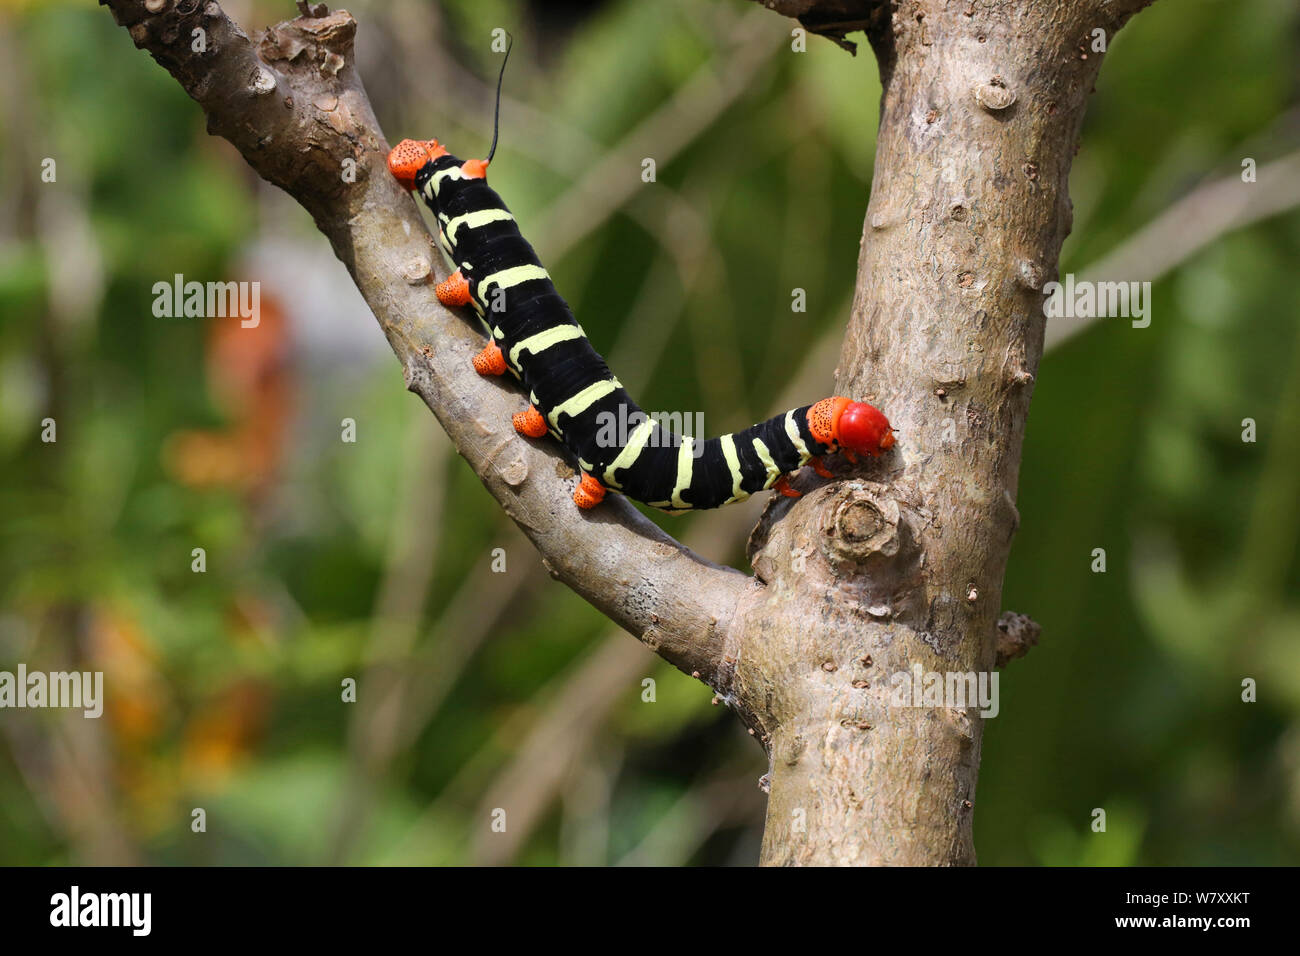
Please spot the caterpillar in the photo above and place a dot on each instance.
(572, 394)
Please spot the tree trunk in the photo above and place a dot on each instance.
(868, 579)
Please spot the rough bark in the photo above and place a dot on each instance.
(868, 578)
(896, 565)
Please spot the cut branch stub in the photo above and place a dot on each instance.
(834, 19)
(321, 41)
(1017, 633)
(862, 523)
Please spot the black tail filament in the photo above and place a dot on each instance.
(496, 118)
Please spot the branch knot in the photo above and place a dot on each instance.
(862, 523)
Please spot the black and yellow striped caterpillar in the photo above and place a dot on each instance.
(572, 394)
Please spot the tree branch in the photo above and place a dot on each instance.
(291, 102)
(1189, 224)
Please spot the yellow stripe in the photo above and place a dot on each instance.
(475, 220)
(631, 451)
(453, 172)
(685, 471)
(766, 458)
(583, 400)
(544, 340)
(792, 432)
(733, 466)
(509, 278)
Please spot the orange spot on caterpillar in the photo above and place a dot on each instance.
(490, 361)
(408, 157)
(453, 291)
(824, 416)
(589, 492)
(530, 423)
(474, 169)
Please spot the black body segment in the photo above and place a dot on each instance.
(568, 381)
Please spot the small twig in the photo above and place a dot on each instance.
(1017, 633)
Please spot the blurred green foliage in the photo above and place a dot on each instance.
(328, 561)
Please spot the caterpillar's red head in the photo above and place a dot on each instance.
(855, 427)
(410, 156)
